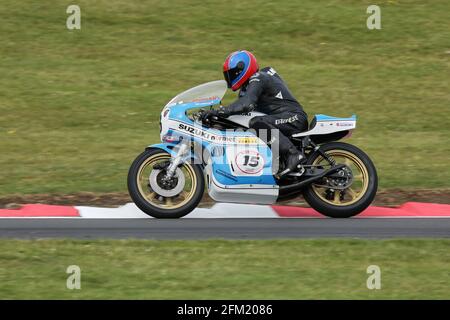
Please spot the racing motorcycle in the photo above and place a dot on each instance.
(168, 179)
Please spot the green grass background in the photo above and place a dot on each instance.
(76, 106)
(219, 269)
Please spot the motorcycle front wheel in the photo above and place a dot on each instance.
(162, 198)
(349, 191)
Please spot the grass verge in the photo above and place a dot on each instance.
(221, 269)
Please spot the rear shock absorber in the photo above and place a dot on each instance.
(323, 154)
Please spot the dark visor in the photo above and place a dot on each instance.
(232, 74)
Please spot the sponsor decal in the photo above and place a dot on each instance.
(247, 140)
(344, 124)
(226, 138)
(206, 99)
(271, 71)
(288, 120)
(197, 132)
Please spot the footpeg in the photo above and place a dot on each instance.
(291, 173)
(298, 174)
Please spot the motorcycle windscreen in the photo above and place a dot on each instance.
(207, 93)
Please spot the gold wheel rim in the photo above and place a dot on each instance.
(156, 200)
(357, 188)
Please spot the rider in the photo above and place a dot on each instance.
(264, 91)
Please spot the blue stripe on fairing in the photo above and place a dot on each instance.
(323, 117)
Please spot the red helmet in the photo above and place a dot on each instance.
(238, 67)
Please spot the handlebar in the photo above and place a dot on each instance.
(199, 115)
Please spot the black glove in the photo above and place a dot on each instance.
(208, 114)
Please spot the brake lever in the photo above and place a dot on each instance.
(198, 115)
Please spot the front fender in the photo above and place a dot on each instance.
(170, 148)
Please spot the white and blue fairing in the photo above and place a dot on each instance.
(222, 146)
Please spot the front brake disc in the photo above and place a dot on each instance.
(156, 187)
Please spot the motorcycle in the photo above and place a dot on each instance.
(168, 179)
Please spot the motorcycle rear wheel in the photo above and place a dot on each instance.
(330, 198)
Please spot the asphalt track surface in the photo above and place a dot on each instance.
(375, 228)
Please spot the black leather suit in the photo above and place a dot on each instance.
(266, 92)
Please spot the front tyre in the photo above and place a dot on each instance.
(349, 191)
(162, 198)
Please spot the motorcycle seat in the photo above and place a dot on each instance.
(313, 123)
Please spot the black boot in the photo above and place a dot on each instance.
(293, 160)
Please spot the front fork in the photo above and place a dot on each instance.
(177, 159)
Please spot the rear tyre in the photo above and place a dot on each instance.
(347, 196)
(164, 200)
